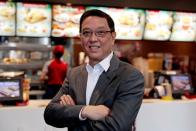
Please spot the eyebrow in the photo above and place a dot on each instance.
(95, 29)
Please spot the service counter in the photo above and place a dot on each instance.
(160, 115)
(154, 115)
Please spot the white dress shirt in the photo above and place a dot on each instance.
(94, 74)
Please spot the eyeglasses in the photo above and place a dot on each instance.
(100, 33)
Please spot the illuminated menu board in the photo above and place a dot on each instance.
(129, 23)
(66, 20)
(184, 28)
(7, 18)
(33, 20)
(158, 25)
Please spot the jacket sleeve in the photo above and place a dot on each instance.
(126, 105)
(58, 115)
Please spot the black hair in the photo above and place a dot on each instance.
(58, 55)
(98, 13)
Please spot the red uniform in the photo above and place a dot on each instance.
(56, 71)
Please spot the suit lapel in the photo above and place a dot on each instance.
(81, 87)
(104, 80)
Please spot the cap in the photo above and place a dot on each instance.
(58, 49)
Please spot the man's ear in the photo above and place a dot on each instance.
(114, 35)
(81, 42)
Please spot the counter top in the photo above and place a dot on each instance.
(44, 102)
(168, 101)
(31, 104)
(154, 115)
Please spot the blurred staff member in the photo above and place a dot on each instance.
(54, 72)
(128, 52)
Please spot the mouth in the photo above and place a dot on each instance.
(94, 47)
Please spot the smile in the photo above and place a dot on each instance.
(94, 46)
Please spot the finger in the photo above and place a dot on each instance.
(63, 100)
(66, 99)
(105, 109)
(70, 100)
(62, 103)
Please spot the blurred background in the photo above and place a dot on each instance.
(157, 37)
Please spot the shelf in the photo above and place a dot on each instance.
(26, 66)
(25, 47)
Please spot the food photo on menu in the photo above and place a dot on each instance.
(7, 18)
(65, 21)
(130, 24)
(158, 25)
(33, 19)
(184, 28)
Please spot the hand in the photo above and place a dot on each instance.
(95, 112)
(66, 100)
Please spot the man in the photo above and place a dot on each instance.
(103, 95)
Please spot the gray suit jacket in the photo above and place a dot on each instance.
(121, 89)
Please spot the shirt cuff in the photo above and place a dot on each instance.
(80, 114)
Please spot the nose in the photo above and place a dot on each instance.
(93, 37)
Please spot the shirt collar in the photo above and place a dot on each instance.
(104, 64)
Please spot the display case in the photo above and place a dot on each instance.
(25, 54)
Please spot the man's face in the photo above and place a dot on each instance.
(97, 38)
